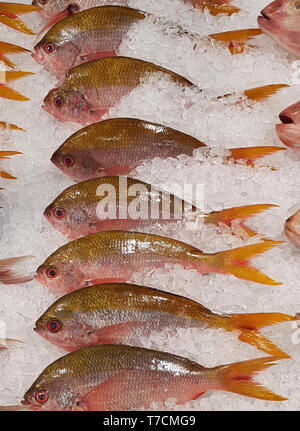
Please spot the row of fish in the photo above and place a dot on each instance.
(91, 320)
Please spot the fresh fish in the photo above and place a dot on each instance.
(77, 98)
(113, 377)
(9, 93)
(125, 313)
(117, 146)
(9, 15)
(114, 256)
(98, 32)
(55, 10)
(292, 228)
(8, 48)
(81, 208)
(91, 89)
(280, 20)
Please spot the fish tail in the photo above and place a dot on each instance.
(216, 7)
(11, 274)
(249, 324)
(7, 154)
(9, 93)
(6, 175)
(250, 154)
(9, 48)
(260, 94)
(13, 75)
(10, 126)
(228, 215)
(13, 9)
(236, 262)
(237, 378)
(236, 35)
(16, 24)
(6, 61)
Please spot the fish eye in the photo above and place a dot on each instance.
(49, 48)
(41, 397)
(59, 212)
(58, 102)
(52, 273)
(68, 161)
(53, 326)
(43, 2)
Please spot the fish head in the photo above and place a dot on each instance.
(67, 105)
(291, 114)
(68, 213)
(289, 134)
(50, 8)
(61, 271)
(281, 20)
(61, 325)
(75, 158)
(56, 56)
(292, 228)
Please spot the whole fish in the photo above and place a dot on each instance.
(289, 129)
(55, 10)
(125, 313)
(9, 15)
(98, 32)
(113, 377)
(90, 89)
(82, 208)
(292, 228)
(119, 145)
(281, 20)
(114, 256)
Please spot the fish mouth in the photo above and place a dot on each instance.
(285, 119)
(264, 16)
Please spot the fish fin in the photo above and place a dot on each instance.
(9, 48)
(13, 75)
(237, 378)
(9, 273)
(9, 93)
(7, 154)
(89, 283)
(6, 61)
(14, 9)
(215, 8)
(115, 334)
(16, 24)
(236, 262)
(227, 215)
(249, 324)
(260, 94)
(249, 154)
(236, 35)
(6, 175)
(9, 126)
(96, 56)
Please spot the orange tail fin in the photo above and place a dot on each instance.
(7, 176)
(216, 7)
(237, 378)
(6, 61)
(12, 270)
(7, 154)
(227, 215)
(9, 93)
(250, 154)
(13, 76)
(236, 262)
(16, 24)
(236, 35)
(9, 126)
(249, 324)
(260, 94)
(9, 48)
(14, 9)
